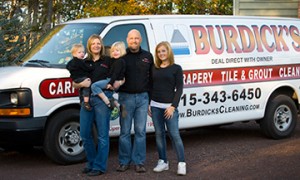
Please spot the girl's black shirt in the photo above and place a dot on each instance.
(117, 71)
(167, 84)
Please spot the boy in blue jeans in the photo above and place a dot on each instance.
(79, 71)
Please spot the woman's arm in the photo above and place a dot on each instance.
(86, 83)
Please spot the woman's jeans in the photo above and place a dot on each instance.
(160, 122)
(136, 107)
(98, 86)
(100, 117)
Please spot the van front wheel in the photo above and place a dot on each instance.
(280, 117)
(62, 142)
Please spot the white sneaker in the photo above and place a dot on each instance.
(181, 168)
(161, 166)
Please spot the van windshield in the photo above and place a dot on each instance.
(54, 48)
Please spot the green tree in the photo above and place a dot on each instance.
(22, 22)
(159, 7)
(212, 7)
(12, 33)
(220, 7)
(113, 8)
(191, 6)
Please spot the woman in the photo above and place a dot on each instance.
(117, 50)
(99, 114)
(167, 86)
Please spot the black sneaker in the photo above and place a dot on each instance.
(87, 106)
(122, 168)
(140, 168)
(112, 103)
(95, 173)
(86, 170)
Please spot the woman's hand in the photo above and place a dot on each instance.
(169, 112)
(117, 84)
(86, 83)
(149, 111)
(108, 86)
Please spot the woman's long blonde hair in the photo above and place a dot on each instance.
(170, 53)
(89, 44)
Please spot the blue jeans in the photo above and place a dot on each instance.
(100, 117)
(160, 123)
(136, 107)
(99, 85)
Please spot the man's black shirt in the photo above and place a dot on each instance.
(137, 74)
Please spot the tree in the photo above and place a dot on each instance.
(113, 8)
(12, 32)
(191, 6)
(22, 22)
(220, 7)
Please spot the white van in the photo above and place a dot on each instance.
(235, 69)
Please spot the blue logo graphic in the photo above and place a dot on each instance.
(179, 44)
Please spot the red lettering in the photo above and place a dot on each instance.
(264, 30)
(278, 38)
(215, 48)
(257, 38)
(244, 39)
(57, 88)
(245, 33)
(231, 37)
(294, 32)
(201, 41)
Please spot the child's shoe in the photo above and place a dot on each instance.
(87, 106)
(112, 104)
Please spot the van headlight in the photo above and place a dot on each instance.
(16, 102)
(14, 98)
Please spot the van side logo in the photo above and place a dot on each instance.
(179, 44)
(57, 88)
(178, 36)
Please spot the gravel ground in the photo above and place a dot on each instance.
(238, 151)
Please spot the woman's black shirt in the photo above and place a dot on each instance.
(101, 68)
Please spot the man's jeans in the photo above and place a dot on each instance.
(160, 123)
(100, 116)
(136, 107)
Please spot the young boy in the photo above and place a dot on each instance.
(79, 71)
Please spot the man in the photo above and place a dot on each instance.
(134, 100)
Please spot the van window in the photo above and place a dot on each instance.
(55, 46)
(119, 33)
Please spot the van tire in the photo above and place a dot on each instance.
(62, 142)
(280, 118)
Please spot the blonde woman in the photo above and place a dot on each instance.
(99, 115)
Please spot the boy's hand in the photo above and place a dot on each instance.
(108, 86)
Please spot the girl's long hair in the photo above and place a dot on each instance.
(170, 53)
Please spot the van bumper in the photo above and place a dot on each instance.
(22, 130)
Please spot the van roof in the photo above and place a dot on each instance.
(110, 19)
